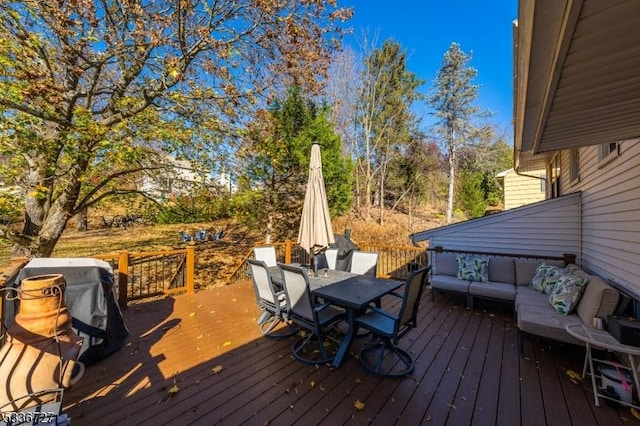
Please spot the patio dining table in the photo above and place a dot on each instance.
(350, 291)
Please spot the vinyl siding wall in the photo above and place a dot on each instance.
(610, 213)
(549, 228)
(521, 190)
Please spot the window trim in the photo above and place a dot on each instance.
(607, 152)
(574, 166)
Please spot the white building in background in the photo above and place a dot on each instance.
(177, 178)
(180, 178)
(224, 181)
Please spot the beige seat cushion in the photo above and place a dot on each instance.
(525, 270)
(446, 282)
(599, 299)
(446, 264)
(502, 270)
(494, 290)
(546, 322)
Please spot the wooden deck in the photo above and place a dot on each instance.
(199, 359)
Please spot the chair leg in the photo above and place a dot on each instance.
(268, 323)
(299, 346)
(398, 362)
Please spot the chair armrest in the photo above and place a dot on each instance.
(322, 307)
(382, 312)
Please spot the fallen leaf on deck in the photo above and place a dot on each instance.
(359, 405)
(174, 389)
(216, 369)
(227, 343)
(312, 383)
(574, 377)
(192, 314)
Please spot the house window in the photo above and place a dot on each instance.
(607, 152)
(554, 176)
(574, 169)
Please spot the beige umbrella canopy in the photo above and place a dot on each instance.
(316, 232)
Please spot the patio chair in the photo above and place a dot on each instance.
(316, 347)
(331, 255)
(273, 303)
(216, 236)
(364, 263)
(383, 356)
(267, 254)
(201, 235)
(185, 237)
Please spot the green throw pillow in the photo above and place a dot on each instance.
(546, 277)
(566, 293)
(472, 268)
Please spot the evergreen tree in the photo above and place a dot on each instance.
(453, 100)
(275, 159)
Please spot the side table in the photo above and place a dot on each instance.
(601, 339)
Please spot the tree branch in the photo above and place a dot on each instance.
(112, 194)
(86, 200)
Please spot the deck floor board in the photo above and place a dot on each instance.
(468, 371)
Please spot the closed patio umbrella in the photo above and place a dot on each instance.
(316, 232)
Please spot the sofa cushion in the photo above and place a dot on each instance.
(546, 277)
(502, 270)
(566, 293)
(446, 282)
(446, 264)
(494, 290)
(525, 270)
(598, 300)
(473, 268)
(528, 296)
(544, 321)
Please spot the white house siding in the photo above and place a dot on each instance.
(550, 227)
(521, 190)
(610, 213)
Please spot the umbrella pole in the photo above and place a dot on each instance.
(314, 261)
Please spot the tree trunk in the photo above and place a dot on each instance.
(83, 222)
(267, 236)
(452, 170)
(381, 198)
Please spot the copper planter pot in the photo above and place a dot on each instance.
(42, 349)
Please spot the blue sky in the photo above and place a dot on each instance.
(426, 29)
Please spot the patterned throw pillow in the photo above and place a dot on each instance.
(473, 268)
(546, 277)
(566, 293)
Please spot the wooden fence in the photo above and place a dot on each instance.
(393, 261)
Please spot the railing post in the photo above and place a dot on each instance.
(123, 278)
(191, 267)
(287, 251)
(569, 258)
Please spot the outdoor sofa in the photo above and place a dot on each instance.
(510, 278)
